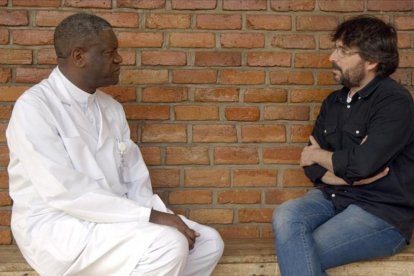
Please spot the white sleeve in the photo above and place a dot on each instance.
(36, 145)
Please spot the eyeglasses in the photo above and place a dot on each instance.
(343, 52)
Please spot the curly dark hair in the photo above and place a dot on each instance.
(77, 30)
(375, 39)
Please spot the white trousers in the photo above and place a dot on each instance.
(169, 253)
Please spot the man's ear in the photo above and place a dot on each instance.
(372, 66)
(78, 57)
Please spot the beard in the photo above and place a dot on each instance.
(351, 77)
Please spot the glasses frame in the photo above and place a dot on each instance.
(344, 52)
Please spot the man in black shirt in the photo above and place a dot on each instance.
(360, 158)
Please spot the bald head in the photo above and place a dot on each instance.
(77, 31)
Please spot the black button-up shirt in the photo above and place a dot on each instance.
(383, 111)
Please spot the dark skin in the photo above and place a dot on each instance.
(97, 65)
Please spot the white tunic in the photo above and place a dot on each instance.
(82, 198)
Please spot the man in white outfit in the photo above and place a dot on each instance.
(83, 202)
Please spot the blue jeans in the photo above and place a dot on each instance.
(311, 237)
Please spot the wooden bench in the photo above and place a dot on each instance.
(248, 257)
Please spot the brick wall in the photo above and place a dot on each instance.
(221, 95)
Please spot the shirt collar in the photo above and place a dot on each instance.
(363, 93)
(80, 96)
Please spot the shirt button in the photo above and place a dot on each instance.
(332, 195)
(325, 131)
(348, 106)
(357, 131)
(359, 98)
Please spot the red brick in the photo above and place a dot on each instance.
(164, 94)
(129, 56)
(404, 40)
(3, 2)
(300, 133)
(194, 76)
(146, 112)
(207, 178)
(218, 59)
(190, 197)
(133, 127)
(325, 41)
(255, 215)
(269, 22)
(236, 155)
(266, 95)
(199, 112)
(300, 113)
(5, 237)
(145, 76)
(141, 4)
(214, 133)
(406, 59)
(187, 156)
(121, 19)
(387, 5)
(242, 40)
(291, 77)
(244, 5)
(165, 178)
(31, 75)
(163, 58)
(46, 56)
(5, 217)
(4, 36)
(140, 40)
(268, 59)
(341, 6)
(164, 133)
(282, 155)
(249, 113)
(315, 112)
(121, 93)
(4, 177)
(50, 18)
(11, 93)
(254, 178)
(192, 40)
(5, 199)
(294, 41)
(5, 111)
(293, 5)
(14, 18)
(194, 4)
(101, 4)
(312, 60)
(316, 23)
(242, 77)
(325, 78)
(207, 216)
(37, 3)
(239, 197)
(223, 94)
(219, 22)
(278, 196)
(263, 133)
(404, 23)
(5, 75)
(238, 232)
(152, 156)
(32, 37)
(402, 77)
(295, 178)
(167, 21)
(308, 95)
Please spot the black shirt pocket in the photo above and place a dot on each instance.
(354, 134)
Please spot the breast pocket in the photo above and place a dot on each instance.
(354, 134)
(330, 134)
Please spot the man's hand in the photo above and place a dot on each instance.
(307, 156)
(331, 179)
(176, 222)
(374, 178)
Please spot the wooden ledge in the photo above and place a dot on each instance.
(248, 257)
